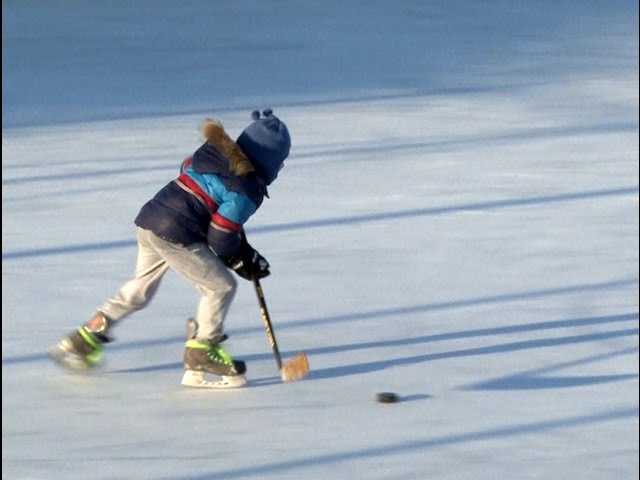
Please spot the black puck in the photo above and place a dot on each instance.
(387, 397)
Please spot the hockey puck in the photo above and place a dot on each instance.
(387, 397)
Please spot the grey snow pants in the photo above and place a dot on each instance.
(196, 263)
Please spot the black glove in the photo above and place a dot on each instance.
(249, 263)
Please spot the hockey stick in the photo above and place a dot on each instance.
(294, 369)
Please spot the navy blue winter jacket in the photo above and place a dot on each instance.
(208, 202)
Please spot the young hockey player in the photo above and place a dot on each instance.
(194, 225)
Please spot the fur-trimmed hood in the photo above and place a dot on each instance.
(221, 156)
(215, 135)
(183, 210)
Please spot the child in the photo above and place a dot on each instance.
(194, 225)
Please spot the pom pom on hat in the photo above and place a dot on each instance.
(266, 141)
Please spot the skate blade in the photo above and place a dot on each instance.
(67, 360)
(295, 369)
(194, 379)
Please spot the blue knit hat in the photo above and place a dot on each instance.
(267, 143)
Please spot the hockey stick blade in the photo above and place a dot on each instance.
(295, 369)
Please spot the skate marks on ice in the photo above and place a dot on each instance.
(531, 380)
(540, 378)
(352, 220)
(366, 367)
(105, 384)
(8, 361)
(421, 445)
(498, 348)
(369, 367)
(354, 369)
(395, 312)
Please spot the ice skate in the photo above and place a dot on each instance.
(204, 358)
(82, 349)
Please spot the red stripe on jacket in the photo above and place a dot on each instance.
(194, 188)
(224, 223)
(216, 219)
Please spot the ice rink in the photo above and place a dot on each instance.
(457, 223)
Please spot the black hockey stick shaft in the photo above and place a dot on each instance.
(267, 320)
(264, 311)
